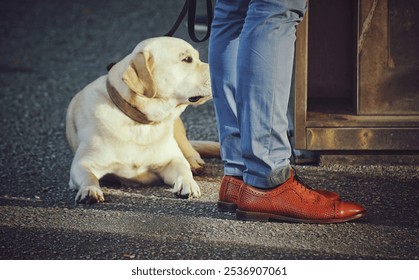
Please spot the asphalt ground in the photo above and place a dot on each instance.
(49, 50)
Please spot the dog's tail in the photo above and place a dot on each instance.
(207, 149)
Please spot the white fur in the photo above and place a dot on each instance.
(156, 79)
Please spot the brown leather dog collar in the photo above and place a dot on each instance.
(129, 110)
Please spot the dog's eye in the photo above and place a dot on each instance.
(188, 59)
(194, 99)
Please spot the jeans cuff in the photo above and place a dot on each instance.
(279, 176)
(276, 178)
(232, 171)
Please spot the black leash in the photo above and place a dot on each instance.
(190, 8)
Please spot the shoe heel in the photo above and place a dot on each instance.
(226, 207)
(251, 216)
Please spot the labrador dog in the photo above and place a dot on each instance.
(126, 123)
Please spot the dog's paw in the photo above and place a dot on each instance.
(90, 195)
(197, 164)
(186, 188)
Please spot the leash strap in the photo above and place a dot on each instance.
(190, 8)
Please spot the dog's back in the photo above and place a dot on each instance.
(74, 110)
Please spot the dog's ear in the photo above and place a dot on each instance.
(138, 76)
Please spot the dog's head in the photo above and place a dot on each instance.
(168, 68)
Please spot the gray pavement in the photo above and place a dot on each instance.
(51, 49)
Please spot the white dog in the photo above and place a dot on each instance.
(127, 123)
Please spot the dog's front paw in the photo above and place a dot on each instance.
(186, 188)
(90, 195)
(197, 164)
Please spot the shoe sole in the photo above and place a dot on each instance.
(266, 217)
(226, 207)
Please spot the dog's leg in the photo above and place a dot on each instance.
(178, 174)
(191, 155)
(89, 190)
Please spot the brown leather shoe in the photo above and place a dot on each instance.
(293, 202)
(229, 192)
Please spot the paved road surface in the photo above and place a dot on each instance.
(51, 49)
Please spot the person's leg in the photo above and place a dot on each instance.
(264, 69)
(259, 99)
(226, 27)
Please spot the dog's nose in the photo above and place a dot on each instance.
(194, 99)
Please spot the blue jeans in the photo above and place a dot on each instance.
(251, 53)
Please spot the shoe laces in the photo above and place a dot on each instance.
(303, 185)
